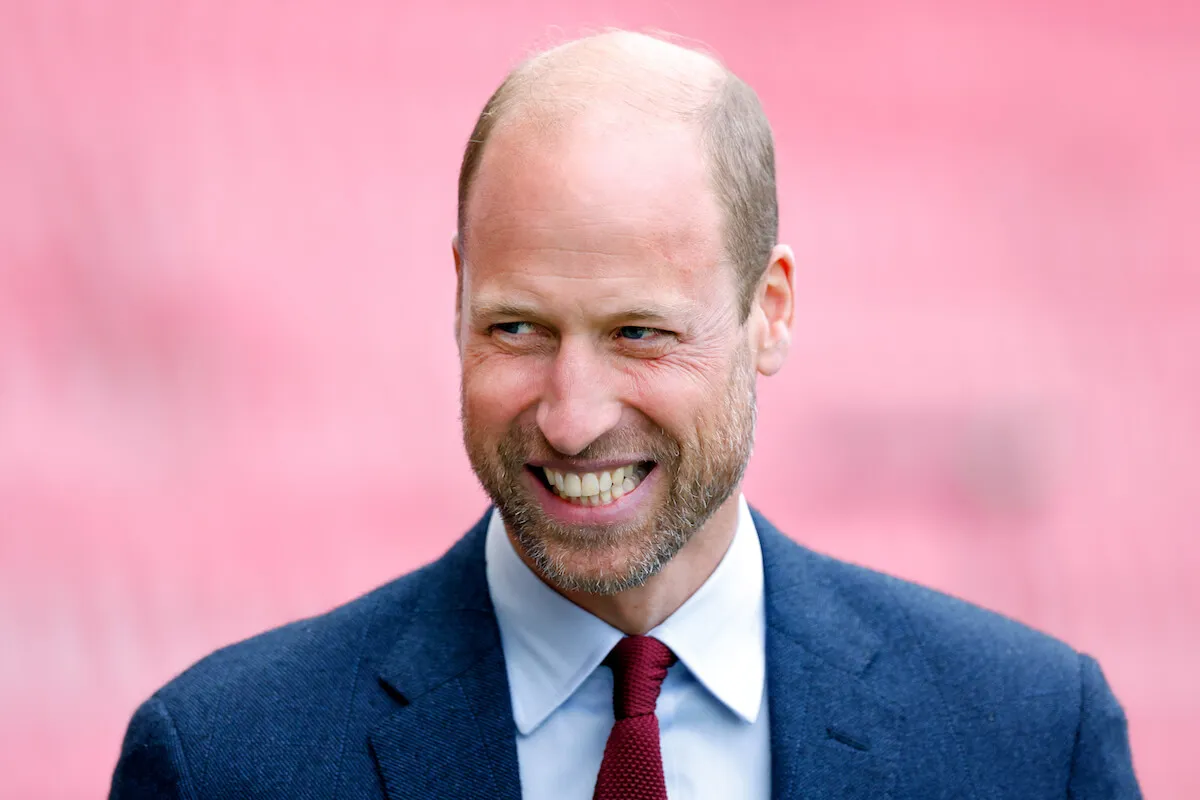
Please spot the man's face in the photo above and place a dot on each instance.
(607, 381)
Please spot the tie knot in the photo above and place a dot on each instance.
(639, 664)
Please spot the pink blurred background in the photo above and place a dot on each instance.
(228, 386)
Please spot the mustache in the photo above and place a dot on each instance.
(527, 443)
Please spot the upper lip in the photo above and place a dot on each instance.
(580, 467)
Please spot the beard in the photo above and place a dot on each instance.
(698, 476)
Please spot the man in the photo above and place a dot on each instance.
(623, 625)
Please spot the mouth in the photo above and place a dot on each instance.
(599, 488)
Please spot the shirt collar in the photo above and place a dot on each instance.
(552, 645)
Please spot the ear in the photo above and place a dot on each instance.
(773, 309)
(458, 286)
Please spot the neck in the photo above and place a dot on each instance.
(638, 610)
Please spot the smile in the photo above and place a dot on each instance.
(594, 488)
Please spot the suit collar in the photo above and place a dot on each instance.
(451, 730)
(805, 605)
(832, 735)
(449, 623)
(802, 603)
(452, 734)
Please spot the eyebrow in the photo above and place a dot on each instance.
(489, 309)
(517, 311)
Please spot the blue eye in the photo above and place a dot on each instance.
(514, 328)
(637, 333)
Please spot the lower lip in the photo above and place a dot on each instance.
(624, 508)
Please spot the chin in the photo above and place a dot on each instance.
(587, 570)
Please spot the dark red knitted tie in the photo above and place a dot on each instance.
(632, 767)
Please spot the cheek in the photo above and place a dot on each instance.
(498, 387)
(680, 398)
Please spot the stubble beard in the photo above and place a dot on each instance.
(696, 479)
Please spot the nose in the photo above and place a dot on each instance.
(578, 405)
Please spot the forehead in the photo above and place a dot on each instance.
(617, 200)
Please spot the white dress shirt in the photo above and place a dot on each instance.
(712, 712)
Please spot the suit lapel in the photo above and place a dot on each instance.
(454, 741)
(450, 731)
(831, 734)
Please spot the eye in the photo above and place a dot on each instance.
(637, 333)
(514, 328)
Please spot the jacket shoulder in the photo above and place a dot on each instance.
(288, 664)
(314, 656)
(290, 707)
(987, 700)
(974, 655)
(975, 651)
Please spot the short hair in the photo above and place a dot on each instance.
(738, 146)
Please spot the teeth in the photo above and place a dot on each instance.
(594, 488)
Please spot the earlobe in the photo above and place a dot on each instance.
(771, 358)
(775, 307)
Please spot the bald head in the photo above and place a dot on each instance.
(628, 74)
(627, 81)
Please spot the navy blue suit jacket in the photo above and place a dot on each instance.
(878, 688)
